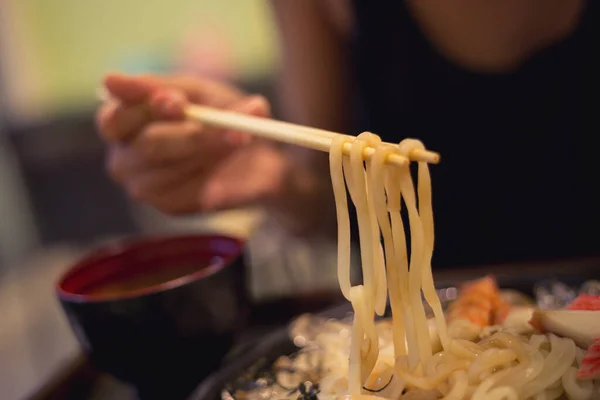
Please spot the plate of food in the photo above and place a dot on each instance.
(310, 356)
(400, 338)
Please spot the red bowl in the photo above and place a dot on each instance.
(160, 313)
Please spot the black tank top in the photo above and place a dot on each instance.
(518, 172)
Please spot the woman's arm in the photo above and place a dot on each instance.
(314, 89)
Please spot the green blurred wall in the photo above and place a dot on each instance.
(73, 43)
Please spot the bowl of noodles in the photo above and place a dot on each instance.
(309, 358)
(398, 337)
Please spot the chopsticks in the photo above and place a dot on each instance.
(312, 138)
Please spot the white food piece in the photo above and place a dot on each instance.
(581, 326)
(518, 319)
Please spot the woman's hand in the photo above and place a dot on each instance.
(180, 166)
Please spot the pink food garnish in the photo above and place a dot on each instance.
(585, 302)
(590, 366)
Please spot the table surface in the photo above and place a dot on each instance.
(35, 338)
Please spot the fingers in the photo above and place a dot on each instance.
(249, 176)
(200, 185)
(164, 152)
(136, 89)
(117, 122)
(173, 89)
(137, 101)
(181, 199)
(157, 185)
(163, 187)
(162, 159)
(205, 91)
(173, 141)
(163, 144)
(121, 122)
(130, 89)
(245, 179)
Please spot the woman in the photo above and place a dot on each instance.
(502, 89)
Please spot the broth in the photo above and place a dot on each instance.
(144, 279)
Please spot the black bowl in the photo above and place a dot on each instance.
(159, 313)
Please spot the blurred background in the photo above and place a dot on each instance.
(53, 56)
(56, 201)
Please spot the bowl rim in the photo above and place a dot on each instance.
(120, 247)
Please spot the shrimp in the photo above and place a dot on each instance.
(477, 302)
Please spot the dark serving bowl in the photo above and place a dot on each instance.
(160, 313)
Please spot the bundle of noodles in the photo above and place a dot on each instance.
(476, 361)
(488, 349)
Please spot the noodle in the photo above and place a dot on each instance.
(459, 389)
(576, 390)
(401, 263)
(378, 260)
(357, 188)
(477, 362)
(370, 344)
(377, 191)
(501, 367)
(415, 274)
(426, 213)
(559, 360)
(343, 218)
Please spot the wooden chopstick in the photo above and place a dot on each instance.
(312, 138)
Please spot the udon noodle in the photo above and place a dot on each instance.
(478, 351)
(503, 366)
